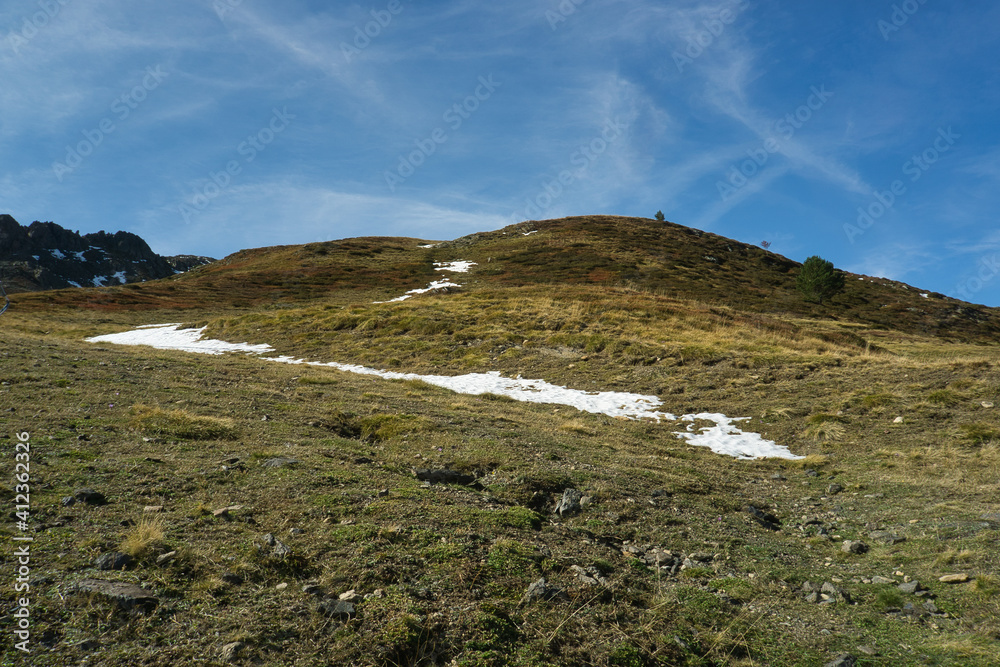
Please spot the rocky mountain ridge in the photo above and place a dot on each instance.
(44, 256)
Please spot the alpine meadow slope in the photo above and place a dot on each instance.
(287, 513)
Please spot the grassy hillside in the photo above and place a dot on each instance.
(665, 564)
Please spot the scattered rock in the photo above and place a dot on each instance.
(126, 596)
(569, 504)
(89, 497)
(897, 420)
(811, 473)
(165, 558)
(282, 586)
(867, 650)
(337, 609)
(231, 652)
(661, 493)
(987, 404)
(954, 578)
(541, 590)
(886, 537)
(589, 576)
(382, 493)
(113, 561)
(349, 596)
(854, 547)
(279, 462)
(882, 580)
(278, 547)
(834, 489)
(68, 501)
(778, 477)
(845, 660)
(313, 589)
(443, 476)
(830, 594)
(930, 607)
(910, 587)
(765, 519)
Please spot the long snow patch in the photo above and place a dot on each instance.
(724, 437)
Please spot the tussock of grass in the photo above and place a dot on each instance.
(180, 424)
(145, 539)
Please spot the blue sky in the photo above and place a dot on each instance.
(860, 130)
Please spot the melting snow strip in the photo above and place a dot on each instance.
(722, 438)
(457, 267)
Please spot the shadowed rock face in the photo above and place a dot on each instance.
(45, 256)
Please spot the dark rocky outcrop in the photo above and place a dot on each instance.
(44, 256)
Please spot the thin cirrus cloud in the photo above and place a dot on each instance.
(697, 90)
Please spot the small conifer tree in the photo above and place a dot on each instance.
(660, 216)
(818, 280)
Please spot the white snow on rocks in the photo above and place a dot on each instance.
(723, 438)
(456, 267)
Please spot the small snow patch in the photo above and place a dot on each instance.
(530, 233)
(74, 283)
(169, 337)
(58, 254)
(437, 284)
(457, 267)
(926, 296)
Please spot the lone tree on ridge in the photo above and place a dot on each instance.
(818, 280)
(660, 216)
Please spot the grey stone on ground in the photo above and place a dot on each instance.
(279, 462)
(166, 558)
(589, 576)
(231, 652)
(886, 537)
(765, 519)
(125, 595)
(279, 548)
(954, 578)
(834, 489)
(878, 579)
(443, 476)
(854, 547)
(90, 497)
(541, 590)
(113, 561)
(910, 587)
(569, 503)
(845, 660)
(337, 608)
(830, 593)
